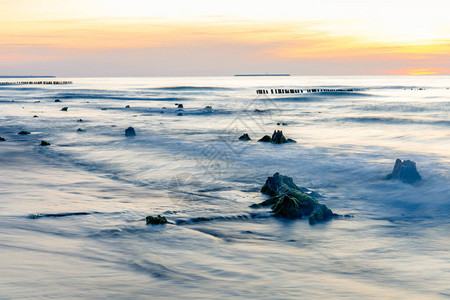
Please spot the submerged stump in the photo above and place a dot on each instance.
(290, 201)
(405, 171)
(158, 220)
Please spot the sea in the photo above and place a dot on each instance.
(72, 213)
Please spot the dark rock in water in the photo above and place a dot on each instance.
(65, 108)
(278, 124)
(265, 138)
(156, 220)
(130, 132)
(24, 132)
(258, 111)
(245, 137)
(2, 139)
(180, 105)
(127, 106)
(44, 143)
(57, 100)
(278, 137)
(80, 120)
(35, 116)
(179, 114)
(208, 109)
(37, 101)
(278, 184)
(405, 171)
(291, 202)
(80, 130)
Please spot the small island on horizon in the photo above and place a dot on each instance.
(266, 74)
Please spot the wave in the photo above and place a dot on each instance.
(391, 120)
(191, 88)
(114, 97)
(194, 220)
(60, 215)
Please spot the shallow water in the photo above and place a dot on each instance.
(72, 219)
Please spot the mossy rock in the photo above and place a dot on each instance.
(278, 184)
(291, 202)
(158, 220)
(24, 132)
(320, 213)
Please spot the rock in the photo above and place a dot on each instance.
(208, 109)
(57, 100)
(278, 184)
(65, 108)
(37, 101)
(35, 116)
(2, 139)
(179, 114)
(130, 132)
(278, 137)
(265, 138)
(80, 130)
(180, 105)
(127, 106)
(405, 171)
(44, 143)
(258, 111)
(24, 132)
(290, 201)
(80, 120)
(245, 137)
(156, 220)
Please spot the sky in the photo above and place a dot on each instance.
(196, 37)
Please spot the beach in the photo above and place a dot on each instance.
(73, 212)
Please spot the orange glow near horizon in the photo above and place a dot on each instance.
(385, 38)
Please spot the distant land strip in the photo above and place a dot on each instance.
(267, 74)
(34, 82)
(22, 76)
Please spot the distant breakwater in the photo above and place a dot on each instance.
(301, 91)
(34, 82)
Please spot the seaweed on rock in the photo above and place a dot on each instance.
(291, 202)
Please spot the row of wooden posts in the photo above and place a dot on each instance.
(298, 91)
(35, 82)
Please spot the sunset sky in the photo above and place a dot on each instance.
(161, 38)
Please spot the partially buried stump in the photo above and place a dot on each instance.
(129, 132)
(158, 220)
(405, 171)
(245, 137)
(290, 201)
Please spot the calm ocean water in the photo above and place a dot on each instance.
(72, 214)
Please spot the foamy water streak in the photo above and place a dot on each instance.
(73, 212)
